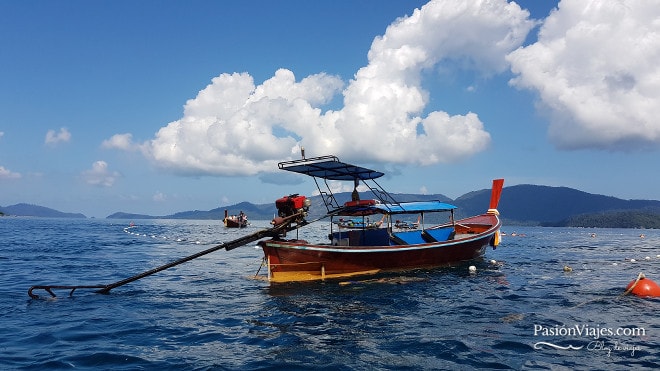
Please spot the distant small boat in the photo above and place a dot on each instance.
(359, 223)
(235, 221)
(402, 224)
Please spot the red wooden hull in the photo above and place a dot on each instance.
(295, 260)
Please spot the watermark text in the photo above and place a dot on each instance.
(595, 338)
(594, 332)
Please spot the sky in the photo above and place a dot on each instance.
(160, 106)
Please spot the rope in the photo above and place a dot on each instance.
(639, 277)
(263, 261)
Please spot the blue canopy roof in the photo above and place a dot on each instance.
(329, 167)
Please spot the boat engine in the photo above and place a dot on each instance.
(291, 205)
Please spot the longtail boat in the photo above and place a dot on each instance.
(235, 221)
(363, 247)
(358, 246)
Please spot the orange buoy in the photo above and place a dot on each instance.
(643, 286)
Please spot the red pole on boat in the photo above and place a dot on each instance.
(495, 193)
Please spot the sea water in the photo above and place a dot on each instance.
(521, 309)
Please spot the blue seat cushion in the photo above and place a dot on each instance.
(409, 238)
(440, 234)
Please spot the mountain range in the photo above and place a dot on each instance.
(35, 210)
(519, 205)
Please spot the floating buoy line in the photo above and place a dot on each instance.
(132, 230)
(641, 286)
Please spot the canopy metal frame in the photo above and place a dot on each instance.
(331, 168)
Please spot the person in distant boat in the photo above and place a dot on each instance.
(355, 196)
(241, 217)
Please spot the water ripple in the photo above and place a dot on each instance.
(209, 314)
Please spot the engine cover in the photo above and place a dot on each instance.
(292, 202)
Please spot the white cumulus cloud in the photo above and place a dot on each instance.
(159, 197)
(62, 136)
(596, 68)
(120, 141)
(100, 175)
(237, 127)
(233, 127)
(7, 174)
(384, 101)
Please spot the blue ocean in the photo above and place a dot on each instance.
(520, 310)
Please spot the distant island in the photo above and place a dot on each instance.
(531, 205)
(38, 211)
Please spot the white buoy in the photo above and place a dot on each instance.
(472, 269)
